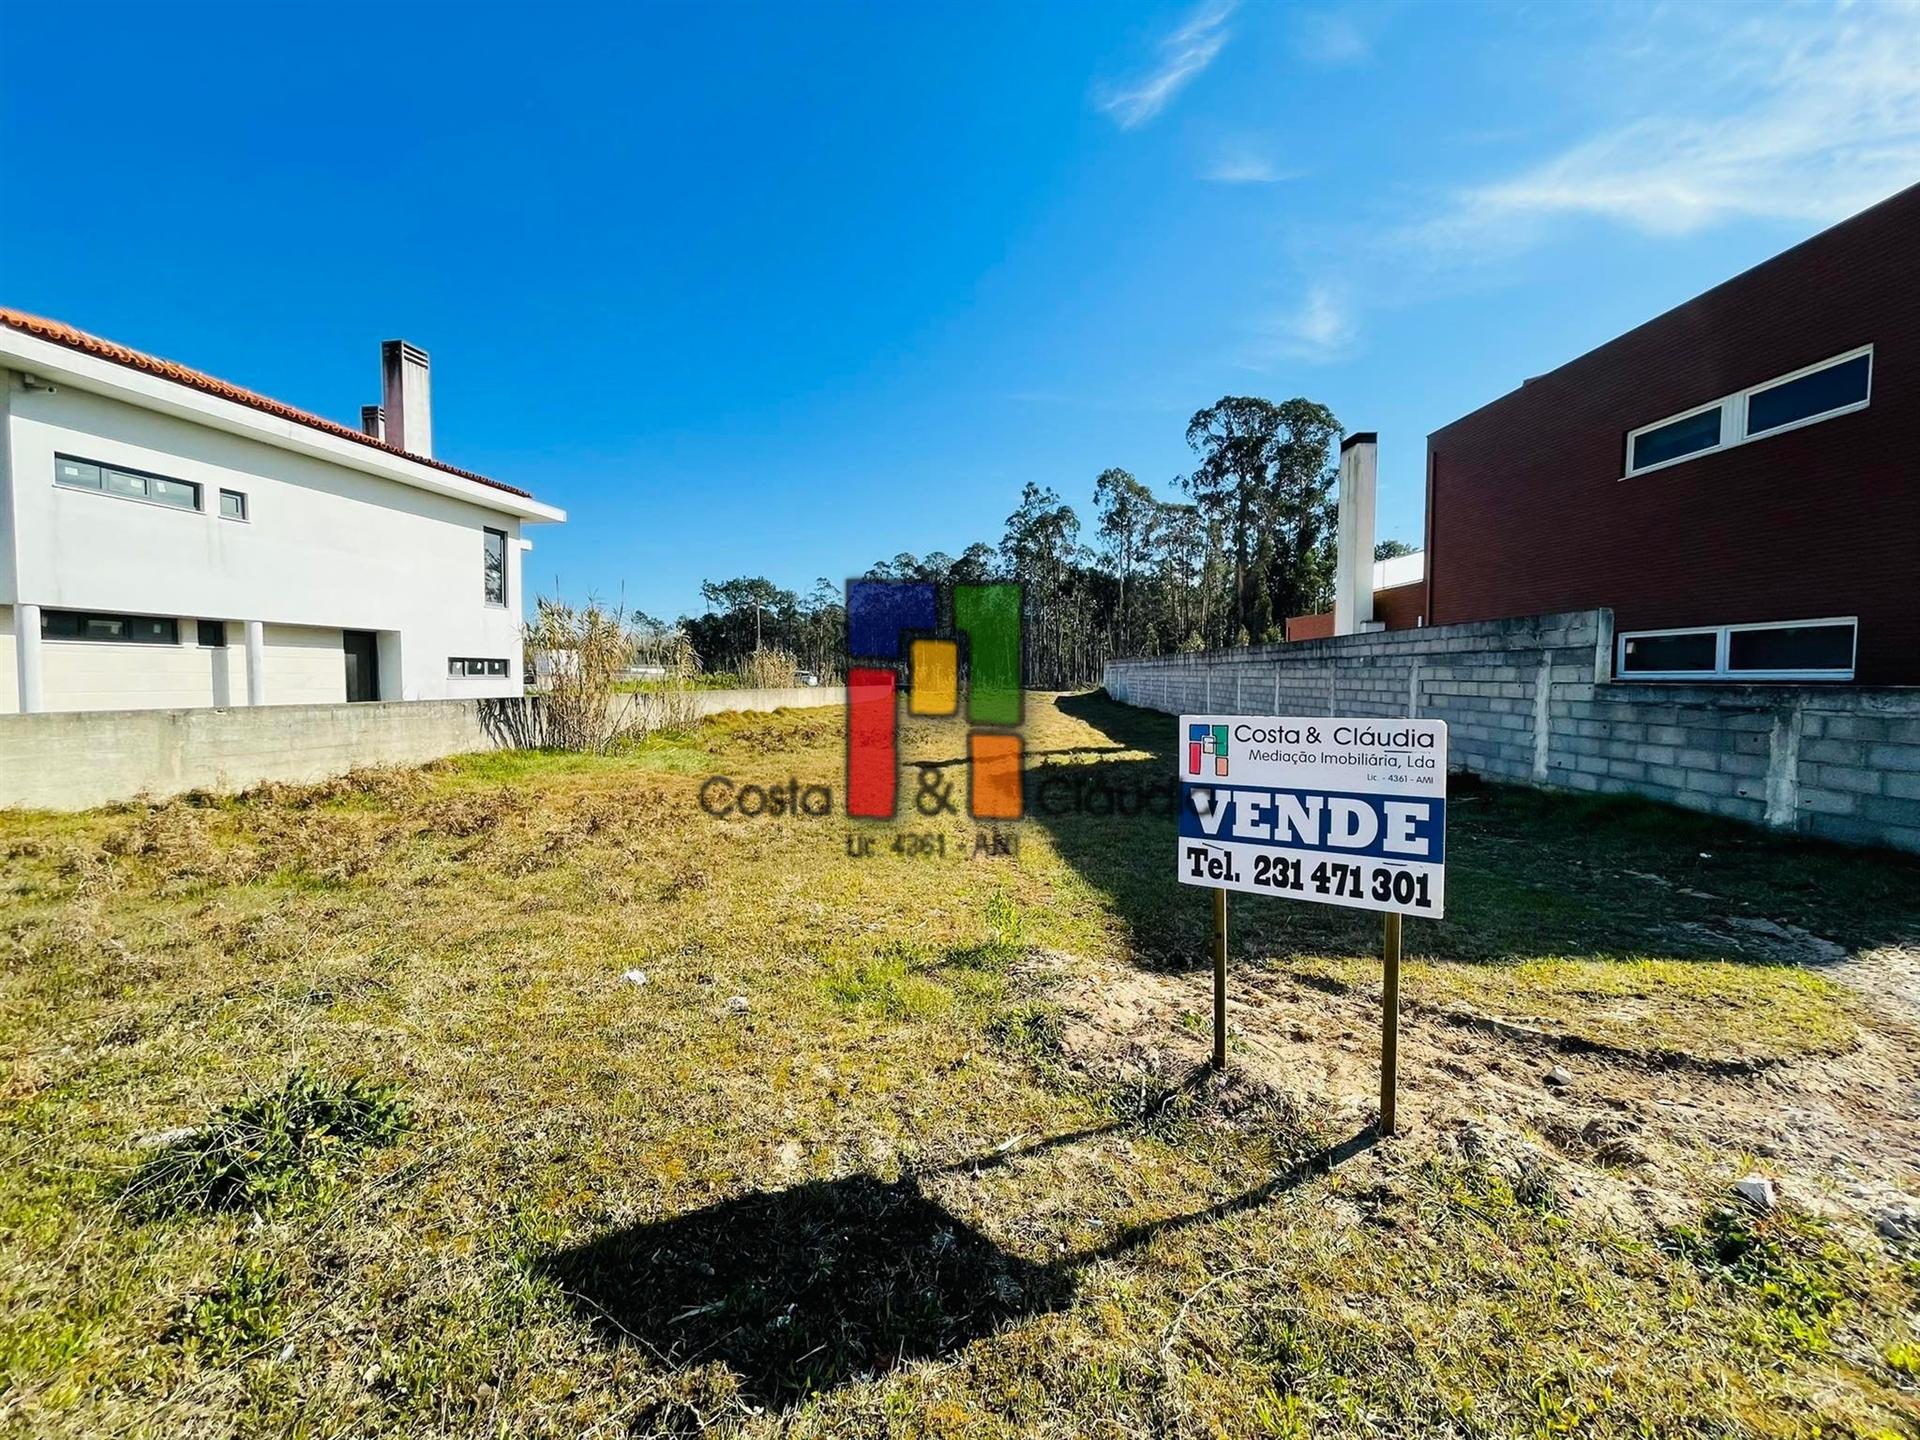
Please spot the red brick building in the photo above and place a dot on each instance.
(1737, 480)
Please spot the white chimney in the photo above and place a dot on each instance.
(409, 402)
(373, 421)
(1353, 577)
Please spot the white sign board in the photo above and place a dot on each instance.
(1339, 812)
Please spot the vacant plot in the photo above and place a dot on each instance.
(518, 1096)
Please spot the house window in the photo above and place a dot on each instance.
(76, 474)
(1823, 647)
(212, 634)
(1828, 390)
(1687, 436)
(1692, 652)
(466, 668)
(113, 629)
(233, 505)
(496, 567)
(1820, 392)
(1782, 650)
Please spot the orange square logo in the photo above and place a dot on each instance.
(995, 761)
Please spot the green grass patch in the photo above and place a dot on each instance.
(274, 1148)
(241, 1314)
(1713, 1011)
(1801, 1276)
(886, 985)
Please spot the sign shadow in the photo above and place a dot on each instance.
(803, 1289)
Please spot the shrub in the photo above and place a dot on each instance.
(769, 668)
(278, 1146)
(587, 648)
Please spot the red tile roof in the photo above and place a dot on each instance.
(59, 334)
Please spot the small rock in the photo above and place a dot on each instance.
(736, 1005)
(1756, 1190)
(634, 977)
(160, 1139)
(1901, 1223)
(1559, 1077)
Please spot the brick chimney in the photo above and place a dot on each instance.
(407, 396)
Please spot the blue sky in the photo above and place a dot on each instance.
(785, 290)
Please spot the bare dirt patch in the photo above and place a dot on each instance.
(1631, 1135)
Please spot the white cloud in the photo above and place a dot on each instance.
(1183, 55)
(1244, 165)
(1320, 329)
(1808, 122)
(1331, 37)
(1801, 116)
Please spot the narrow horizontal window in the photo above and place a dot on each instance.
(1792, 648)
(77, 474)
(1698, 651)
(1807, 397)
(182, 493)
(468, 666)
(212, 634)
(1676, 438)
(125, 482)
(233, 505)
(1830, 388)
(1784, 650)
(113, 629)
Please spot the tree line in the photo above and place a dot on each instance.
(1243, 541)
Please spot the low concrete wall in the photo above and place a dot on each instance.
(1533, 701)
(73, 761)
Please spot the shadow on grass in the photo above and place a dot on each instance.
(799, 1291)
(1530, 874)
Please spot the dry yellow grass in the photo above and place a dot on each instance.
(832, 1168)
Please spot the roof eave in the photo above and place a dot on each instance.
(58, 363)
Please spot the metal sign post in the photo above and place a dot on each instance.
(1390, 1022)
(1219, 981)
(1336, 811)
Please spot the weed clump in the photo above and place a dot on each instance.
(277, 1147)
(240, 1314)
(1033, 1030)
(1801, 1275)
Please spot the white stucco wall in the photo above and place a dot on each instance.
(324, 548)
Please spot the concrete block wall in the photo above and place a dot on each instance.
(75, 760)
(1533, 701)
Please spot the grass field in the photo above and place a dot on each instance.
(518, 1096)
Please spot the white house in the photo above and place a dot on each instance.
(170, 540)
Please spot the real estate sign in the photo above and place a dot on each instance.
(1335, 811)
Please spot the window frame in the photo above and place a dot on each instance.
(1722, 648)
(1734, 414)
(1746, 396)
(506, 584)
(1633, 435)
(200, 634)
(199, 506)
(246, 506)
(485, 670)
(173, 621)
